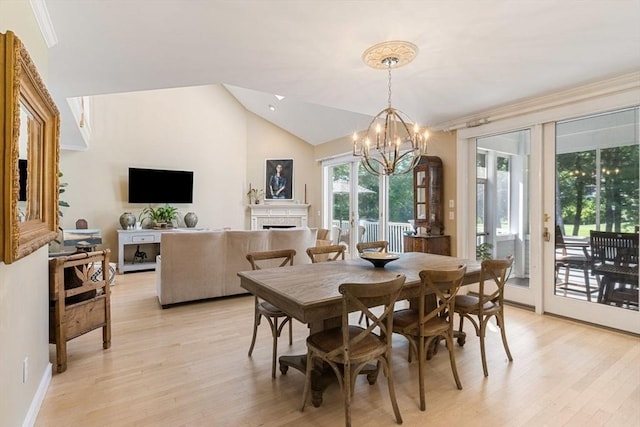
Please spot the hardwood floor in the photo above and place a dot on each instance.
(188, 366)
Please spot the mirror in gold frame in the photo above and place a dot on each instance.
(30, 126)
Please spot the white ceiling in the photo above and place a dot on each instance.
(474, 54)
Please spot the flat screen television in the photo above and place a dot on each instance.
(160, 186)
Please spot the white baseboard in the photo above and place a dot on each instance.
(34, 408)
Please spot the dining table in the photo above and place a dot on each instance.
(309, 293)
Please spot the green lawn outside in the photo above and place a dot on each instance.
(586, 228)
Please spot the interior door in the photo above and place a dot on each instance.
(591, 181)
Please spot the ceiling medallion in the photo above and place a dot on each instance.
(403, 53)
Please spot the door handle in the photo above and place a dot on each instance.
(546, 236)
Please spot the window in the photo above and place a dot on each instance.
(597, 173)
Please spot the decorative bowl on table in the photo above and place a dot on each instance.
(379, 259)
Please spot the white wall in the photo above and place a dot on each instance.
(265, 141)
(24, 284)
(201, 129)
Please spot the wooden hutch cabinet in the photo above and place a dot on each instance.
(428, 209)
(439, 245)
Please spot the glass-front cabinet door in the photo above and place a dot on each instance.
(421, 196)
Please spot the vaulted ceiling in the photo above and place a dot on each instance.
(473, 54)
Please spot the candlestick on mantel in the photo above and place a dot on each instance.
(305, 194)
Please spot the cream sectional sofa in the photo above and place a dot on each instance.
(197, 265)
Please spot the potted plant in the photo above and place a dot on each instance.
(162, 216)
(483, 251)
(62, 187)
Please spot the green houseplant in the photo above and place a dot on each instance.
(162, 216)
(483, 251)
(62, 187)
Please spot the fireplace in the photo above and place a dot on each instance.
(278, 215)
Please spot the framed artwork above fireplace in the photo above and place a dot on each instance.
(278, 179)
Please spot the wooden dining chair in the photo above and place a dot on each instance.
(349, 348)
(326, 253)
(567, 258)
(421, 325)
(376, 246)
(489, 303)
(277, 318)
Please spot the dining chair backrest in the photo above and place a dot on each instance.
(618, 249)
(326, 253)
(444, 284)
(493, 274)
(359, 297)
(376, 246)
(268, 259)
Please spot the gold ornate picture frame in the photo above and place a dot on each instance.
(30, 128)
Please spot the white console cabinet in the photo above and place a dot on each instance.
(128, 242)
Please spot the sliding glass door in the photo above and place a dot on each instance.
(595, 181)
(362, 207)
(339, 213)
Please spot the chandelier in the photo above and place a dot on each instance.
(391, 145)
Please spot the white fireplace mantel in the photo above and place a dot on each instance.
(283, 214)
